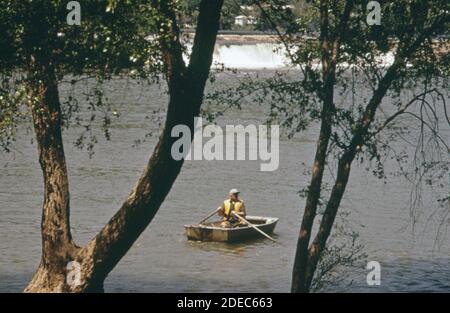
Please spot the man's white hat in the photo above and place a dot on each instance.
(234, 191)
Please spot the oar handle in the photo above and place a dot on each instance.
(251, 225)
(209, 215)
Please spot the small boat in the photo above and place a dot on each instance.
(213, 232)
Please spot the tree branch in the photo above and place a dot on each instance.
(402, 110)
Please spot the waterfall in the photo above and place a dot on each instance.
(250, 56)
(264, 55)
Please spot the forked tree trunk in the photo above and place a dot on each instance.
(104, 251)
(329, 54)
(308, 254)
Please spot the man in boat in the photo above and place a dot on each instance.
(232, 204)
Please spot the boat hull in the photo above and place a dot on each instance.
(212, 232)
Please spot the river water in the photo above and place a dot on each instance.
(162, 260)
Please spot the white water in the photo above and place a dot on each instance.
(266, 56)
(248, 56)
(251, 56)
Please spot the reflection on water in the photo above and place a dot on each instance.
(237, 249)
(162, 260)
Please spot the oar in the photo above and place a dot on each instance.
(209, 215)
(251, 225)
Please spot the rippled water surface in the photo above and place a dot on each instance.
(162, 259)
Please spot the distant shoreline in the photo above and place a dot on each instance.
(246, 39)
(231, 37)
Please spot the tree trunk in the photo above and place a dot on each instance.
(326, 224)
(300, 261)
(330, 46)
(57, 244)
(312, 200)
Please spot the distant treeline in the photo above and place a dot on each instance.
(250, 14)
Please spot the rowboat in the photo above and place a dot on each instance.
(213, 232)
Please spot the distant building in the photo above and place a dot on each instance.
(243, 20)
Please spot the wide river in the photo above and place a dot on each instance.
(162, 260)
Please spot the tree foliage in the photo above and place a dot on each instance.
(114, 38)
